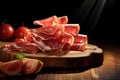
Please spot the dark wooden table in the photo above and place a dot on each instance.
(109, 70)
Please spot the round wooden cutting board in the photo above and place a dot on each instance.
(91, 56)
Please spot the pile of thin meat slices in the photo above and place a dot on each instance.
(54, 36)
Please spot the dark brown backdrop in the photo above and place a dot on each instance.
(104, 26)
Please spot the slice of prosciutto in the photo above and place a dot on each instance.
(68, 28)
(63, 20)
(51, 32)
(50, 21)
(79, 38)
(22, 46)
(80, 42)
(72, 28)
(54, 36)
(58, 42)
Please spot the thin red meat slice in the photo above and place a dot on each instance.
(79, 38)
(63, 20)
(72, 28)
(22, 47)
(68, 39)
(55, 36)
(55, 45)
(46, 30)
(68, 28)
(49, 45)
(51, 32)
(50, 21)
(78, 46)
(80, 42)
(41, 44)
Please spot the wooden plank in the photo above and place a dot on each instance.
(92, 55)
(106, 72)
(74, 76)
(117, 69)
(55, 75)
(64, 74)
(116, 52)
(110, 70)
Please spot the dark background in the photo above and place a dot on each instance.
(99, 19)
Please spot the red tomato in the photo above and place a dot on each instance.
(22, 32)
(6, 31)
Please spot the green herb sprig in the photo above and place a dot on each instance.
(20, 56)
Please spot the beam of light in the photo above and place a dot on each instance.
(93, 73)
(96, 15)
(89, 13)
(83, 10)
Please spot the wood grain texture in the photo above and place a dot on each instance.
(91, 56)
(109, 70)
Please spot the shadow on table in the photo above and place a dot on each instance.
(68, 70)
(53, 70)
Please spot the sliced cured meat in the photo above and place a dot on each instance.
(80, 42)
(55, 45)
(23, 47)
(46, 33)
(68, 39)
(63, 20)
(72, 28)
(54, 35)
(50, 46)
(29, 47)
(8, 47)
(78, 46)
(50, 21)
(43, 47)
(46, 30)
(79, 38)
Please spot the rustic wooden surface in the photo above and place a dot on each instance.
(75, 59)
(109, 70)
